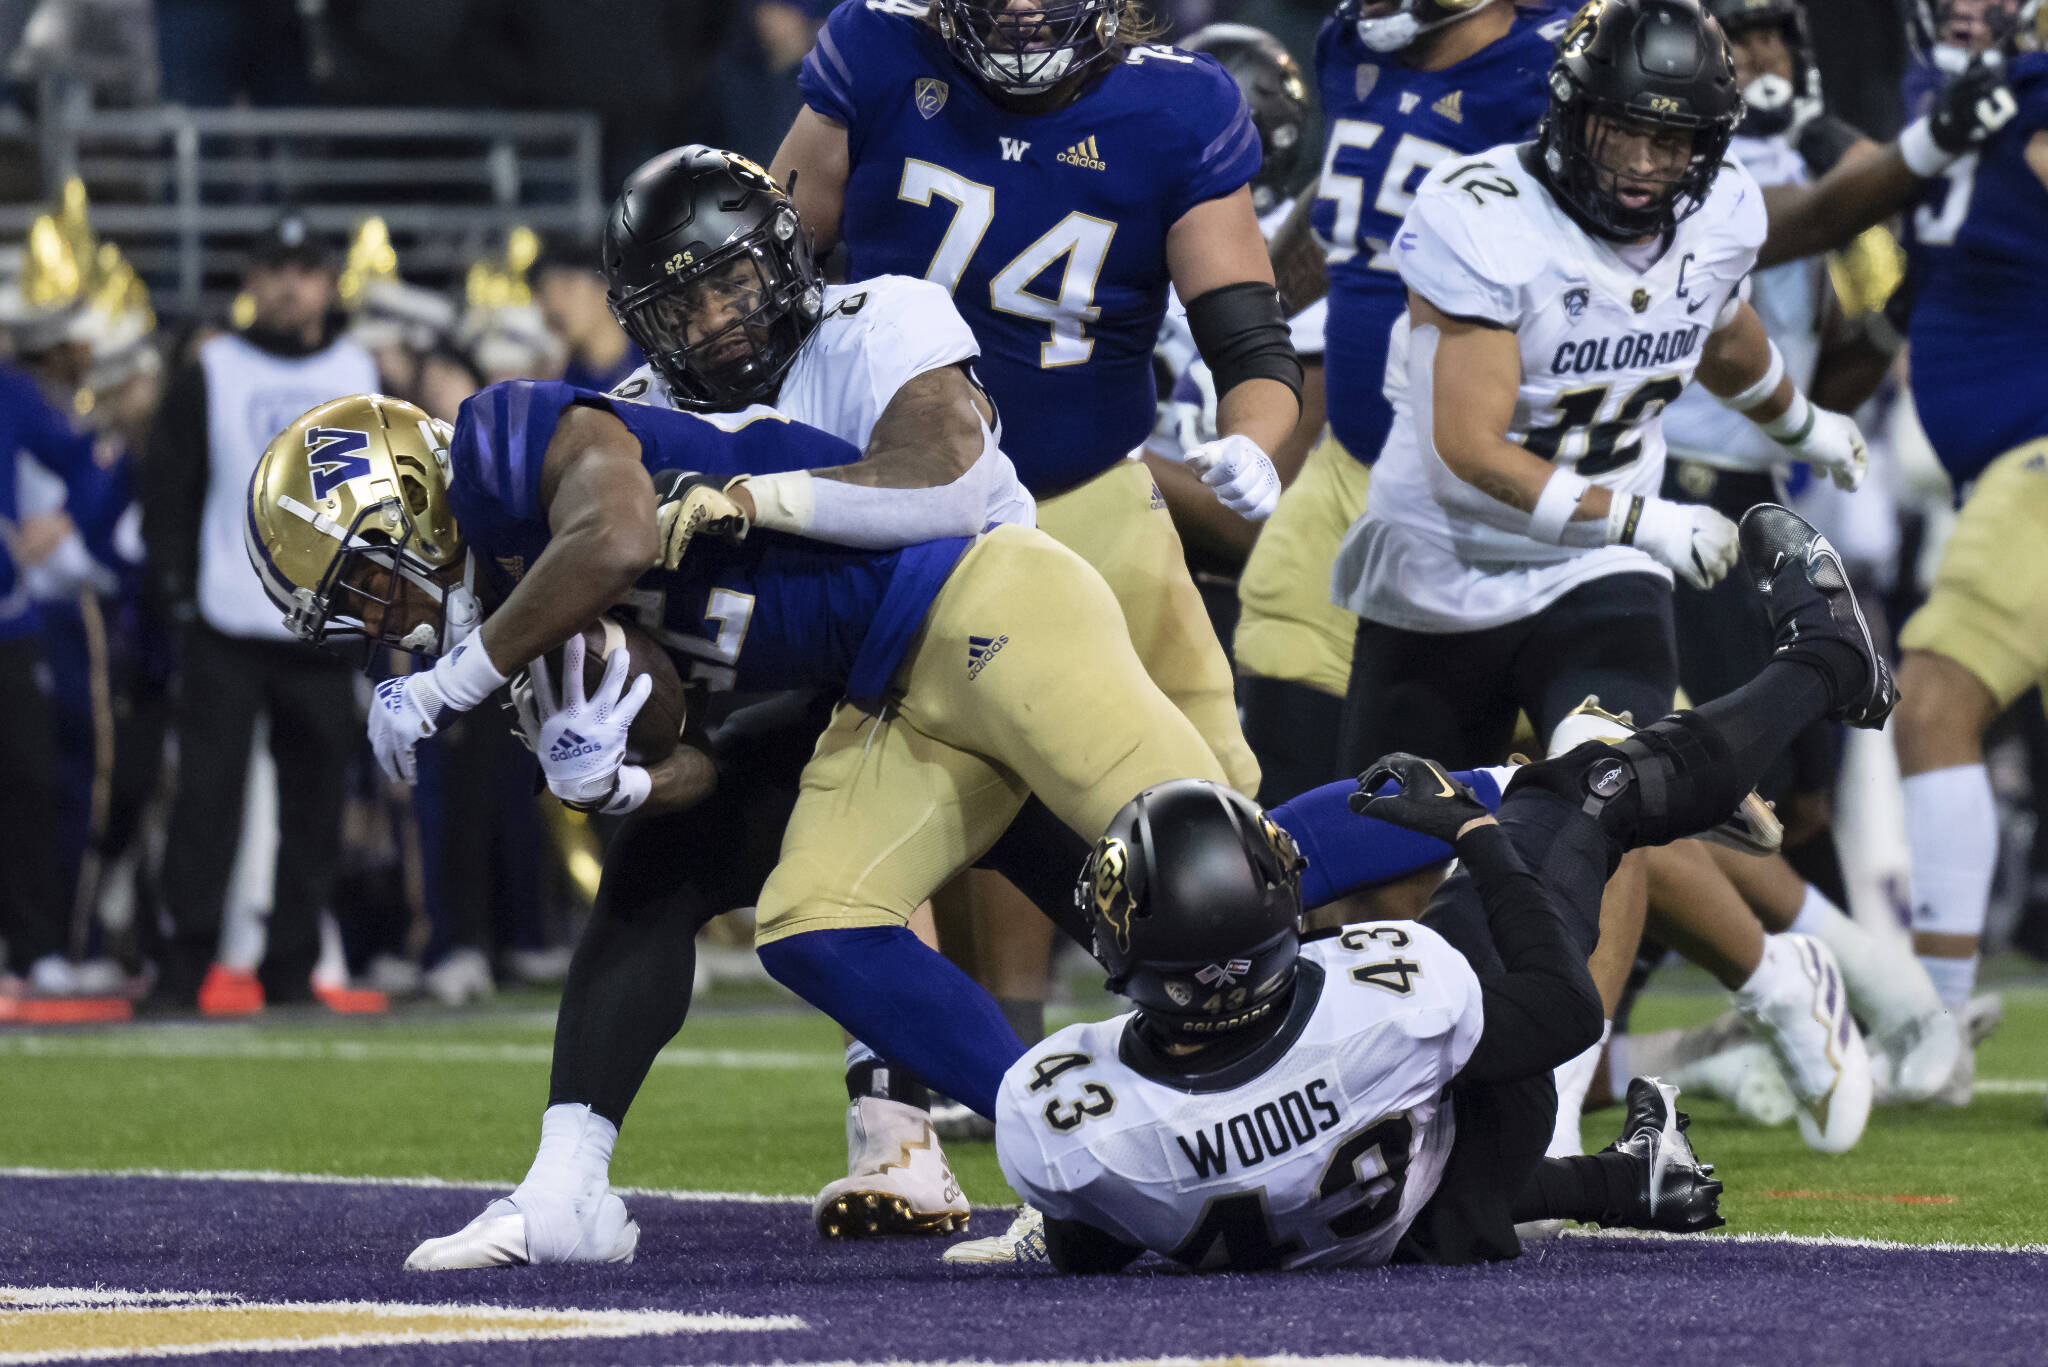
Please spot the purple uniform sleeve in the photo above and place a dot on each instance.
(1347, 852)
(827, 77)
(1226, 152)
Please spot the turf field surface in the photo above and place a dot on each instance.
(740, 1123)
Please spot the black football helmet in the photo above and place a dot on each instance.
(1195, 900)
(1030, 52)
(1657, 64)
(1394, 25)
(1770, 103)
(698, 234)
(1278, 98)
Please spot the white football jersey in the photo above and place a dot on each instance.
(1604, 348)
(1318, 1149)
(876, 336)
(1788, 298)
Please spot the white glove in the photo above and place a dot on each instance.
(582, 742)
(1241, 474)
(406, 711)
(1690, 539)
(1827, 441)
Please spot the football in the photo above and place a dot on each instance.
(660, 721)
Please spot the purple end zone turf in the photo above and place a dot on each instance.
(1583, 1302)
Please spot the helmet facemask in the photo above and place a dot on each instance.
(1395, 27)
(1603, 180)
(750, 306)
(1028, 52)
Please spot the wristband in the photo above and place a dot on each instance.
(465, 676)
(1556, 504)
(783, 502)
(1622, 520)
(1762, 389)
(633, 786)
(1923, 156)
(1792, 426)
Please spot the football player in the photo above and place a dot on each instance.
(1977, 334)
(1385, 1095)
(1057, 173)
(367, 524)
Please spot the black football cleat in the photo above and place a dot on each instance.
(1806, 590)
(1679, 1194)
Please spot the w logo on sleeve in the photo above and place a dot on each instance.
(335, 456)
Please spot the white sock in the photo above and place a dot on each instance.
(575, 1154)
(1620, 1065)
(1952, 832)
(1762, 984)
(1574, 1076)
(1884, 981)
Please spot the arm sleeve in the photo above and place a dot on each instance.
(1543, 1009)
(1225, 152)
(1440, 259)
(876, 519)
(174, 489)
(1081, 1249)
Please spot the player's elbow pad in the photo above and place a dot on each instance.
(1242, 334)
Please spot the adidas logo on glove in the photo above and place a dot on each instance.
(568, 746)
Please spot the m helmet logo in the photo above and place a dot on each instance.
(1112, 889)
(334, 456)
(930, 96)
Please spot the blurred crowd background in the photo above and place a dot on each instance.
(409, 190)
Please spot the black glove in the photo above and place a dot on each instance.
(1429, 801)
(1972, 107)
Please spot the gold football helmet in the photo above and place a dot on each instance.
(350, 529)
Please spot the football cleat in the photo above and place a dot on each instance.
(898, 1181)
(534, 1227)
(1022, 1244)
(957, 1124)
(1815, 1040)
(230, 992)
(1745, 1076)
(1917, 1058)
(1679, 1194)
(1806, 590)
(1753, 829)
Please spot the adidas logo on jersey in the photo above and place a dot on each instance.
(980, 650)
(1085, 153)
(1449, 106)
(568, 745)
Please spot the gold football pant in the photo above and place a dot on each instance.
(1289, 629)
(1022, 680)
(1118, 523)
(1988, 609)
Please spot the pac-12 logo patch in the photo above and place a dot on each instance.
(930, 95)
(1575, 300)
(335, 456)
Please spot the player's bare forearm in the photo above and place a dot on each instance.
(1736, 357)
(1264, 410)
(1215, 537)
(600, 504)
(1289, 456)
(1476, 376)
(932, 432)
(815, 158)
(1300, 266)
(684, 779)
(1859, 193)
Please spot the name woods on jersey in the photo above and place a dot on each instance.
(1604, 347)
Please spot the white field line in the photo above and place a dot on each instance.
(204, 1044)
(1804, 1241)
(493, 1324)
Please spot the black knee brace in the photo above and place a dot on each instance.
(1668, 781)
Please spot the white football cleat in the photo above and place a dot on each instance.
(534, 1227)
(1747, 1078)
(1752, 828)
(1815, 1040)
(898, 1181)
(1022, 1244)
(1918, 1057)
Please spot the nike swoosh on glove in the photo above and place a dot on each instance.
(692, 505)
(1428, 800)
(582, 741)
(1690, 539)
(1241, 474)
(1834, 444)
